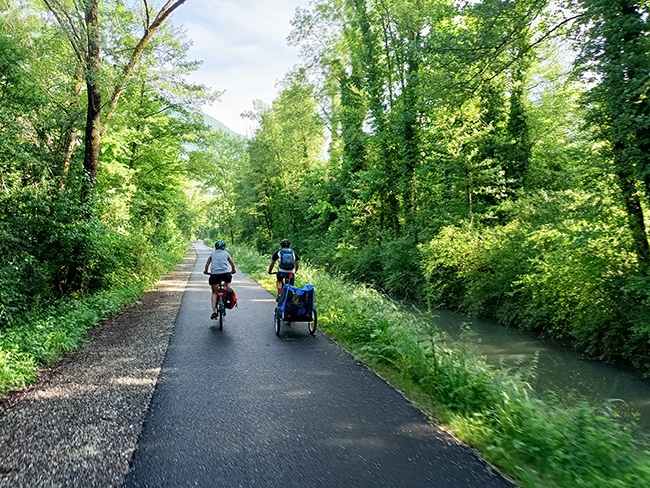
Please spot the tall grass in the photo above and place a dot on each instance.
(539, 443)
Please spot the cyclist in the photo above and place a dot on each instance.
(220, 267)
(288, 263)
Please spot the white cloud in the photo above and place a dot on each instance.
(242, 44)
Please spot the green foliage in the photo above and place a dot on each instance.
(273, 197)
(551, 443)
(554, 268)
(539, 442)
(41, 335)
(461, 169)
(44, 329)
(43, 247)
(17, 369)
(614, 45)
(70, 257)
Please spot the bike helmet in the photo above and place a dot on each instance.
(285, 243)
(220, 245)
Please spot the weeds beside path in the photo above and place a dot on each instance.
(78, 425)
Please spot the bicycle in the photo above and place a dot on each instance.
(221, 304)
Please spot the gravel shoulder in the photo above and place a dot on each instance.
(79, 424)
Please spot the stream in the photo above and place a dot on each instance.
(558, 369)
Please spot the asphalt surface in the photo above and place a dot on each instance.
(241, 407)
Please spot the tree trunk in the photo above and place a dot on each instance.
(635, 218)
(91, 153)
(72, 135)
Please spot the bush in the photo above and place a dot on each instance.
(51, 249)
(70, 272)
(570, 278)
(401, 276)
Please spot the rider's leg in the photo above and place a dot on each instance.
(278, 283)
(215, 296)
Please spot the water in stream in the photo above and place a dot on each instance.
(558, 369)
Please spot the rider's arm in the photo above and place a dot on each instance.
(271, 266)
(232, 264)
(207, 265)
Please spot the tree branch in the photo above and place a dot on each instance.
(149, 31)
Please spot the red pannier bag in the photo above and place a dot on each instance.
(231, 298)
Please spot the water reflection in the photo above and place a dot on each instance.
(558, 370)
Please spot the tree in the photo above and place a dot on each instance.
(284, 149)
(82, 28)
(50, 244)
(616, 56)
(220, 165)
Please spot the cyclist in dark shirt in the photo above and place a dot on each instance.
(288, 263)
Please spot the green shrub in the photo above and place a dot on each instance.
(42, 328)
(401, 274)
(552, 268)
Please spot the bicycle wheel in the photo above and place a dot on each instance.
(277, 322)
(314, 322)
(222, 313)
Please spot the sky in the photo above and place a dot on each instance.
(243, 46)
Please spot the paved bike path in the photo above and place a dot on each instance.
(242, 407)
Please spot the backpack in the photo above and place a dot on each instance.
(230, 298)
(287, 259)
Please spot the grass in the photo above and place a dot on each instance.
(549, 443)
(40, 337)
